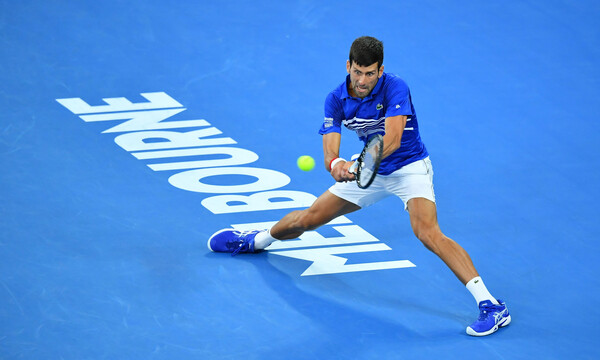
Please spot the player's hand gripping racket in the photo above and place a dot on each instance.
(366, 166)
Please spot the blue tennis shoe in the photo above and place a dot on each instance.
(491, 318)
(232, 241)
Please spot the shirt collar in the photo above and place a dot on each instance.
(375, 90)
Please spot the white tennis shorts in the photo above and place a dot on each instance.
(410, 181)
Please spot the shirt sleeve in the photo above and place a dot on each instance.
(334, 114)
(398, 96)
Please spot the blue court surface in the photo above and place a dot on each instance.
(130, 131)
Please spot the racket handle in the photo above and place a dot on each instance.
(353, 167)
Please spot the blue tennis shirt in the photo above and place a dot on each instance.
(366, 117)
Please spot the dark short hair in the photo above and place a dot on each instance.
(366, 51)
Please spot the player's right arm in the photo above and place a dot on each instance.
(331, 131)
(331, 147)
(331, 151)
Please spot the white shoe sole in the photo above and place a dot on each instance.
(504, 323)
(213, 235)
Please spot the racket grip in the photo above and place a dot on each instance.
(353, 167)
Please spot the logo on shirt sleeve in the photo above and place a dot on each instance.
(397, 106)
(328, 122)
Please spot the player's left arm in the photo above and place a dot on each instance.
(394, 127)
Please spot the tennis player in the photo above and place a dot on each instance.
(370, 102)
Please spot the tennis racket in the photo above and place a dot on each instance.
(366, 166)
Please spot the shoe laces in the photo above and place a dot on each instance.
(485, 311)
(239, 245)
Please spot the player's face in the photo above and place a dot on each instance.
(363, 78)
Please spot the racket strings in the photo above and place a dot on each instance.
(369, 163)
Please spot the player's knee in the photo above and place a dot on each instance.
(430, 237)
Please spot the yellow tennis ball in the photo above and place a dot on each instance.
(306, 163)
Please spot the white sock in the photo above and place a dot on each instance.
(479, 291)
(263, 239)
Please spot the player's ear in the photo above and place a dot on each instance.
(348, 66)
(380, 71)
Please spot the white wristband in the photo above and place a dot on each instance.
(335, 161)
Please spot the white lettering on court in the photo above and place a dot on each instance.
(146, 131)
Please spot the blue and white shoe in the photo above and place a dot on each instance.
(232, 241)
(491, 318)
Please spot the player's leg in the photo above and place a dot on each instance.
(423, 219)
(326, 208)
(413, 183)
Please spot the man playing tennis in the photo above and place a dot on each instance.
(372, 102)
